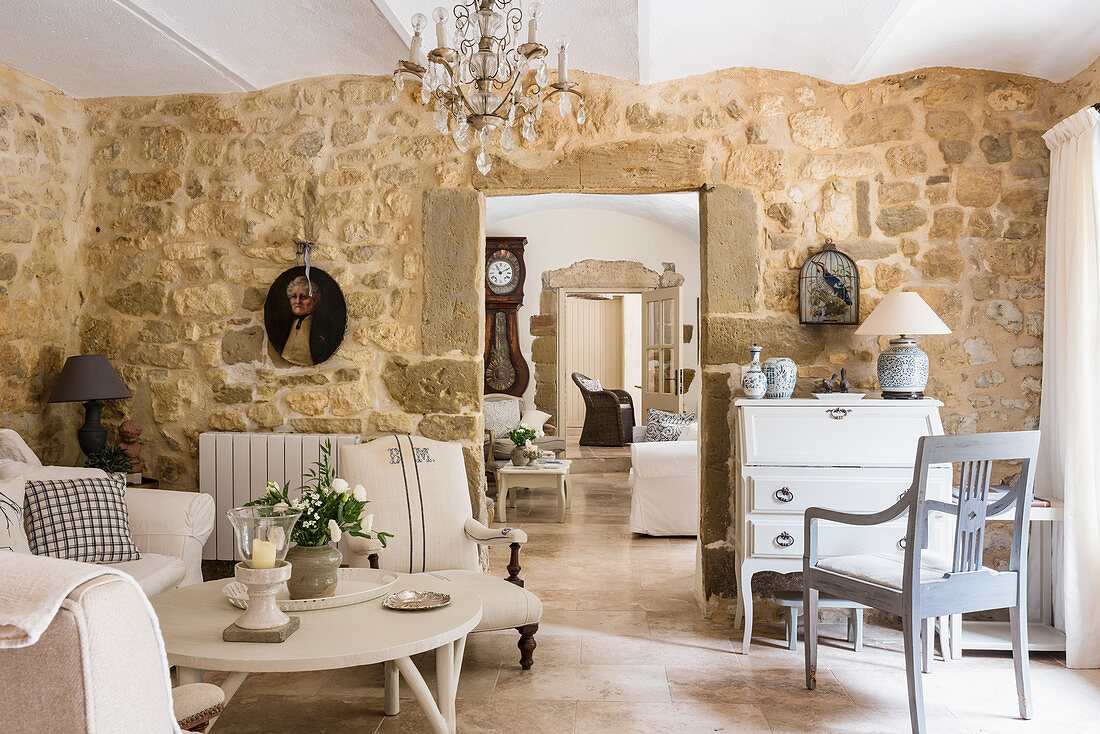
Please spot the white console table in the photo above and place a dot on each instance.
(849, 455)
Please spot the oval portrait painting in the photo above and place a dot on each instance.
(305, 318)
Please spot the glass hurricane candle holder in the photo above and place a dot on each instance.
(263, 534)
(263, 538)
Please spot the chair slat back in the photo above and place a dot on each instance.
(975, 454)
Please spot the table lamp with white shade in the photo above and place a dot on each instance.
(903, 366)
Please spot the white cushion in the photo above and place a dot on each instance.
(501, 415)
(153, 572)
(12, 536)
(503, 604)
(534, 419)
(886, 569)
(691, 433)
(36, 472)
(663, 426)
(14, 448)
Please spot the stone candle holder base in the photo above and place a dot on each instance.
(263, 621)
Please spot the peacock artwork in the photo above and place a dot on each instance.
(828, 288)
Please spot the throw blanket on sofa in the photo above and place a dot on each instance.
(34, 588)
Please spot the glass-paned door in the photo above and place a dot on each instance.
(662, 326)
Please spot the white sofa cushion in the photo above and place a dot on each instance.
(690, 432)
(504, 605)
(14, 448)
(12, 536)
(36, 472)
(534, 419)
(501, 416)
(153, 572)
(663, 426)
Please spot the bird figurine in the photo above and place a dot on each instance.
(836, 284)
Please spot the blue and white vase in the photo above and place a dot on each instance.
(781, 373)
(903, 370)
(755, 382)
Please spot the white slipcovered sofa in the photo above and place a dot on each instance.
(169, 528)
(664, 482)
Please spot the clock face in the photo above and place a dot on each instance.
(502, 272)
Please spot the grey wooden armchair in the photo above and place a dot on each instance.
(921, 585)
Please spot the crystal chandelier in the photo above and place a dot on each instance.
(478, 83)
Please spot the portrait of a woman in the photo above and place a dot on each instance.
(305, 317)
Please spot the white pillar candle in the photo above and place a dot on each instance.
(563, 66)
(414, 49)
(263, 553)
(532, 30)
(440, 34)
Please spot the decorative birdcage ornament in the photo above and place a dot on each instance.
(828, 288)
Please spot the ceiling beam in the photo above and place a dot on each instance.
(900, 11)
(174, 36)
(390, 13)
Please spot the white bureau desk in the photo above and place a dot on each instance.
(848, 455)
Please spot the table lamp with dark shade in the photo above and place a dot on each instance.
(89, 379)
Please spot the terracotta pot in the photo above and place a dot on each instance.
(313, 571)
(520, 456)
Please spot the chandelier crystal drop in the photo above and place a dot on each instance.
(487, 77)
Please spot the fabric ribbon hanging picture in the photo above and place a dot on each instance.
(305, 314)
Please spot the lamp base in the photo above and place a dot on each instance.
(902, 395)
(92, 435)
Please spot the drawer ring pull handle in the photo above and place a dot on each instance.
(784, 494)
(901, 544)
(784, 539)
(838, 414)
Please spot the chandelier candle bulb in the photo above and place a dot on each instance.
(440, 16)
(419, 23)
(533, 27)
(563, 65)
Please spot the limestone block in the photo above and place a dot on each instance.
(402, 301)
(602, 273)
(978, 186)
(233, 394)
(203, 300)
(1019, 230)
(955, 151)
(227, 420)
(951, 94)
(544, 349)
(1025, 202)
(215, 219)
(185, 250)
(759, 167)
(836, 217)
(544, 325)
(978, 351)
(731, 243)
(308, 402)
(435, 385)
(349, 398)
(265, 415)
(156, 186)
(814, 129)
(454, 256)
(164, 144)
(450, 427)
(143, 298)
(1010, 257)
(254, 298)
(893, 122)
(388, 335)
(906, 160)
(365, 305)
(9, 265)
(172, 397)
(726, 339)
(996, 148)
(888, 277)
(823, 166)
(981, 224)
(898, 192)
(160, 355)
(300, 379)
(782, 213)
(940, 124)
(947, 223)
(1027, 357)
(943, 262)
(389, 422)
(766, 103)
(327, 425)
(642, 118)
(1005, 314)
(242, 345)
(895, 220)
(1009, 95)
(756, 134)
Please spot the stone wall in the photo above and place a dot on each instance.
(933, 181)
(43, 283)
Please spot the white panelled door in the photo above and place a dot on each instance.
(594, 347)
(662, 329)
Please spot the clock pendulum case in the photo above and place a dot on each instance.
(505, 368)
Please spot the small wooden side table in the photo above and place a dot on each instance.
(534, 476)
(792, 600)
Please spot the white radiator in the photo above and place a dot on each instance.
(234, 468)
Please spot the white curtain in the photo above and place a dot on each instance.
(1070, 418)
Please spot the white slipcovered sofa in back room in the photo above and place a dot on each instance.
(169, 528)
(664, 482)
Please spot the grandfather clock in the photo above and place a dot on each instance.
(505, 369)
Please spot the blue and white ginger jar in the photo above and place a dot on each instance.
(781, 373)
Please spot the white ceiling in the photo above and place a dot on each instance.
(679, 211)
(92, 48)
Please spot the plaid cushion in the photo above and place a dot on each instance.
(80, 519)
(664, 426)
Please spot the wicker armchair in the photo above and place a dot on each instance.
(608, 415)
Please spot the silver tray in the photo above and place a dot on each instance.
(353, 586)
(414, 601)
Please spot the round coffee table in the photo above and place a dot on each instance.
(192, 619)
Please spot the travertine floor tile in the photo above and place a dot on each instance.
(674, 718)
(497, 717)
(586, 683)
